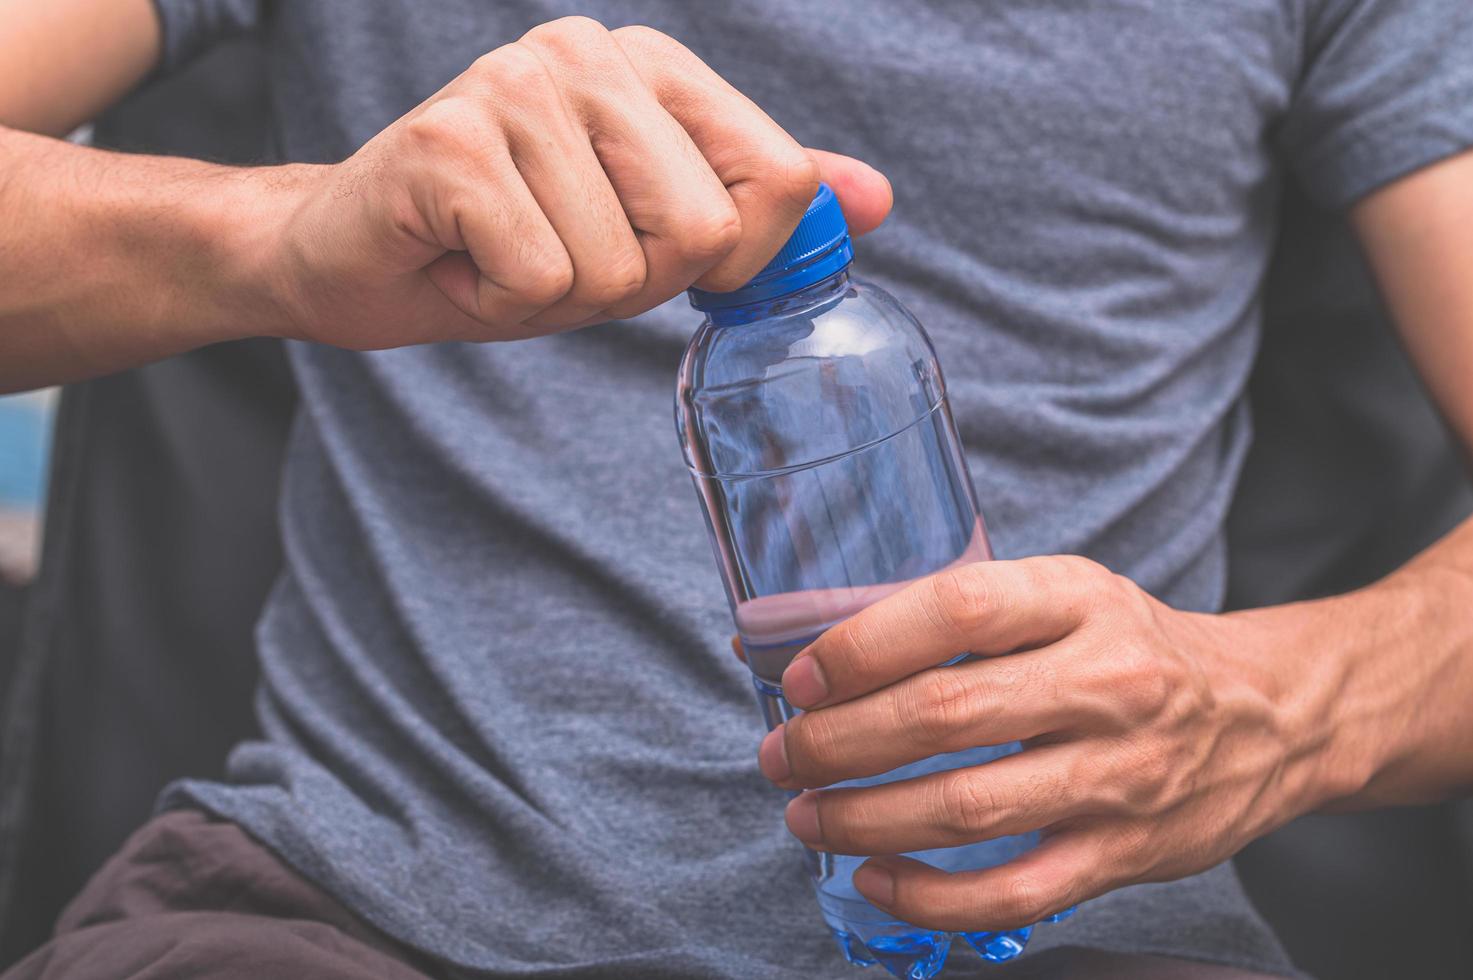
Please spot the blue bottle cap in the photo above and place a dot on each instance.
(818, 248)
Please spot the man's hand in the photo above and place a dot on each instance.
(573, 176)
(1156, 743)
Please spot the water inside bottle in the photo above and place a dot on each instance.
(808, 546)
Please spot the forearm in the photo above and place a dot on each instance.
(1375, 687)
(1397, 676)
(110, 260)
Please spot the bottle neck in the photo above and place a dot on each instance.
(826, 290)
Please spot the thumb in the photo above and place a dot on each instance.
(863, 192)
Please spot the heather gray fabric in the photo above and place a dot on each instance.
(502, 721)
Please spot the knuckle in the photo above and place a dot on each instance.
(642, 36)
(544, 281)
(1138, 608)
(1079, 581)
(489, 63)
(845, 817)
(1122, 593)
(513, 69)
(620, 278)
(724, 278)
(812, 746)
(1143, 684)
(712, 235)
(797, 176)
(1130, 848)
(570, 38)
(1078, 566)
(438, 127)
(1120, 584)
(938, 708)
(574, 27)
(962, 803)
(1149, 779)
(1025, 900)
(856, 648)
(1153, 773)
(1067, 573)
(1090, 776)
(1114, 798)
(963, 600)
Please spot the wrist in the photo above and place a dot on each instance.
(196, 248)
(237, 235)
(1316, 664)
(1371, 689)
(115, 260)
(179, 253)
(1406, 704)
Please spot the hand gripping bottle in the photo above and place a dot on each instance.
(813, 417)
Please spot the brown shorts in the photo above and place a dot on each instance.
(194, 897)
(190, 896)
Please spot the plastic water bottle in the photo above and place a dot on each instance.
(813, 417)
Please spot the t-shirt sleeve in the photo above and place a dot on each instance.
(1386, 87)
(190, 27)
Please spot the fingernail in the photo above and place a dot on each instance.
(803, 682)
(803, 819)
(772, 757)
(875, 883)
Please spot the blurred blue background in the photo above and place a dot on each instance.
(25, 426)
(25, 439)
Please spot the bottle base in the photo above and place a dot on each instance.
(910, 953)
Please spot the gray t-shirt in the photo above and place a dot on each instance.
(502, 720)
